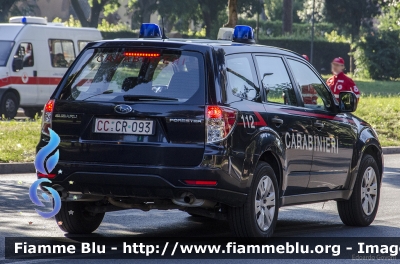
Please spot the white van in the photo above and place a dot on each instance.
(34, 55)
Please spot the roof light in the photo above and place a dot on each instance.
(28, 20)
(149, 30)
(243, 34)
(225, 34)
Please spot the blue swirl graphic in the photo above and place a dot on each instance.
(45, 151)
(35, 199)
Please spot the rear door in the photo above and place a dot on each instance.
(334, 135)
(133, 106)
(290, 121)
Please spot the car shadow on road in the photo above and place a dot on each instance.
(391, 176)
(293, 221)
(15, 193)
(316, 224)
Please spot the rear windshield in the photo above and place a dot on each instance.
(5, 49)
(124, 75)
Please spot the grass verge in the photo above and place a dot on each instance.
(18, 140)
(383, 113)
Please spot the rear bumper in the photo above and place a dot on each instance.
(146, 182)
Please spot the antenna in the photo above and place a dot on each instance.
(163, 29)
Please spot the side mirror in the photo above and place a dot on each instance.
(17, 64)
(347, 102)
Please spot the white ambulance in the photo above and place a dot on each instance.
(34, 55)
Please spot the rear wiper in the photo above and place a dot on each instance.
(105, 92)
(148, 98)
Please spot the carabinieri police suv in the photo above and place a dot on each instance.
(213, 128)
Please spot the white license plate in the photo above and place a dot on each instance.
(124, 126)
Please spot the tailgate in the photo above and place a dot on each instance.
(177, 135)
(130, 106)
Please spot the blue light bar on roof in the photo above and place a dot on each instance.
(149, 30)
(243, 34)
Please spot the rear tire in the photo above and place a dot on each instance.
(258, 216)
(9, 105)
(74, 219)
(361, 208)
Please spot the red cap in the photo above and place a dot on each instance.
(338, 60)
(305, 57)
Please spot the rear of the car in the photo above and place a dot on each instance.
(135, 123)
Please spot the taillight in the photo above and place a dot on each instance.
(47, 116)
(219, 122)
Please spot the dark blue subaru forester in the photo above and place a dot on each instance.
(215, 128)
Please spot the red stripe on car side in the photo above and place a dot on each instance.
(30, 81)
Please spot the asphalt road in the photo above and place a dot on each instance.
(18, 218)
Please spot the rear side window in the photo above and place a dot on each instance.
(62, 52)
(120, 75)
(275, 80)
(315, 94)
(241, 77)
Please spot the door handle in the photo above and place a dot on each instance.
(277, 121)
(319, 124)
(34, 73)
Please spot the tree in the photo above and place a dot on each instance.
(232, 14)
(350, 15)
(319, 11)
(179, 14)
(210, 10)
(390, 18)
(5, 7)
(248, 7)
(273, 9)
(96, 7)
(378, 56)
(287, 17)
(142, 10)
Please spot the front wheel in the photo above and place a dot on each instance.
(361, 208)
(258, 216)
(74, 219)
